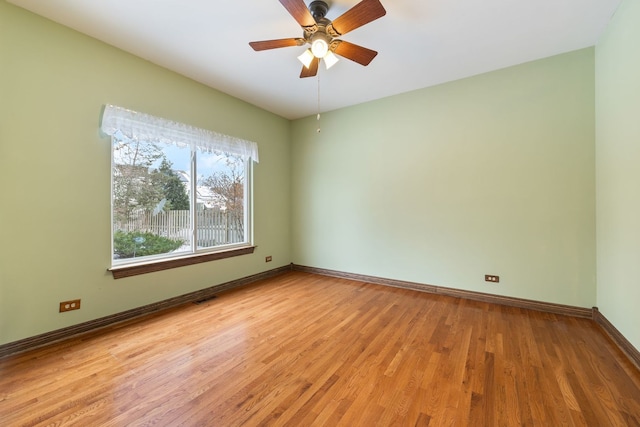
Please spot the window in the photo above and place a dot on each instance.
(176, 191)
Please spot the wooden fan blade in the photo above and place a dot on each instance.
(275, 44)
(360, 14)
(312, 70)
(299, 11)
(356, 53)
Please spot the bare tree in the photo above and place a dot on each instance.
(134, 186)
(228, 185)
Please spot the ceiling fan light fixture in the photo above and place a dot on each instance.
(306, 58)
(330, 59)
(319, 47)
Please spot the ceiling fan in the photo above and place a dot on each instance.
(322, 34)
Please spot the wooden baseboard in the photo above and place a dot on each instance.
(92, 325)
(471, 295)
(627, 348)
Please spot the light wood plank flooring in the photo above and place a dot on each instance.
(308, 350)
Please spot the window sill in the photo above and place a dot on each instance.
(150, 267)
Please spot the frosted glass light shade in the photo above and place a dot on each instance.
(306, 58)
(319, 47)
(330, 59)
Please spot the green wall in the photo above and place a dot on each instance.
(55, 172)
(492, 174)
(618, 170)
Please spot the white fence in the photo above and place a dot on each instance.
(214, 227)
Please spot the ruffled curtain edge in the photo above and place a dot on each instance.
(142, 126)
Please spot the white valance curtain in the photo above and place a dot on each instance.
(140, 126)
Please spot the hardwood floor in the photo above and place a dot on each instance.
(303, 350)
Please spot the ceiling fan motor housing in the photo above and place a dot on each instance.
(318, 9)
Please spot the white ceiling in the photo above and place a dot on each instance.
(420, 43)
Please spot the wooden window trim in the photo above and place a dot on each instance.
(149, 267)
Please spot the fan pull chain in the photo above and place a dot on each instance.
(318, 117)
